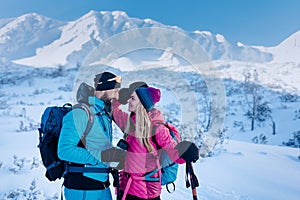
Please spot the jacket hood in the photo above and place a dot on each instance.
(156, 115)
(97, 104)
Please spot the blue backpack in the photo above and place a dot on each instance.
(169, 169)
(49, 132)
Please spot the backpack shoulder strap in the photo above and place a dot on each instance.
(154, 125)
(90, 123)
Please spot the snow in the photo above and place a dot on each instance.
(71, 40)
(262, 170)
(148, 21)
(203, 32)
(287, 51)
(239, 44)
(278, 76)
(239, 168)
(220, 38)
(246, 171)
(122, 63)
(168, 58)
(116, 14)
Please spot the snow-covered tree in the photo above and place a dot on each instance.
(257, 110)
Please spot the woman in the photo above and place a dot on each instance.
(141, 176)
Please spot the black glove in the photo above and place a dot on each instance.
(124, 95)
(113, 155)
(120, 166)
(188, 151)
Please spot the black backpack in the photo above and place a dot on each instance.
(49, 132)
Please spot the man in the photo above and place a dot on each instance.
(98, 143)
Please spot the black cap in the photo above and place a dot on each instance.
(107, 81)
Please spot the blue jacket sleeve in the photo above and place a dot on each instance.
(74, 124)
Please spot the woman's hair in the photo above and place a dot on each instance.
(142, 127)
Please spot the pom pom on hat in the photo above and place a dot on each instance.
(148, 96)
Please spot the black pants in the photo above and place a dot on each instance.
(131, 197)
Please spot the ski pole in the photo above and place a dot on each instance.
(193, 179)
(116, 183)
(194, 183)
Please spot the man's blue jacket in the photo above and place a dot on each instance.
(99, 138)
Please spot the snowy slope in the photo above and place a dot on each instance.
(238, 168)
(278, 76)
(243, 171)
(287, 51)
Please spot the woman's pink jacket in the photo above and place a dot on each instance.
(139, 161)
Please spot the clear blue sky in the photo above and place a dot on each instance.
(252, 22)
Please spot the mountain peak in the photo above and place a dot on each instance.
(292, 41)
(287, 51)
(119, 13)
(97, 14)
(91, 13)
(220, 38)
(203, 33)
(22, 36)
(168, 58)
(32, 16)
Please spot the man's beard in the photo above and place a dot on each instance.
(105, 97)
(107, 102)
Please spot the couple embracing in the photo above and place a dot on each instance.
(137, 161)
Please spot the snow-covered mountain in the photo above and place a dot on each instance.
(287, 51)
(218, 48)
(79, 37)
(21, 37)
(35, 40)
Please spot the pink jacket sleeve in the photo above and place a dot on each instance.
(119, 116)
(165, 141)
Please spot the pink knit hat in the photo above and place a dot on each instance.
(148, 96)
